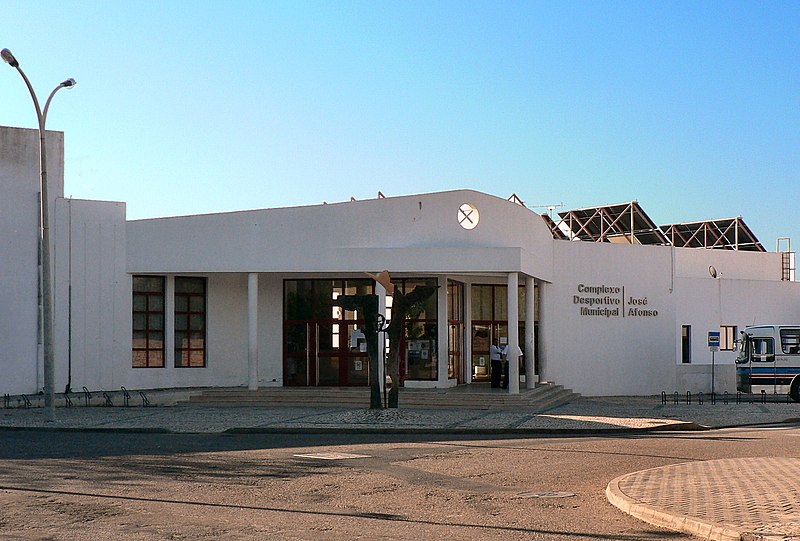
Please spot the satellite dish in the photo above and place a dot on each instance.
(712, 271)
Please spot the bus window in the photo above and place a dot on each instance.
(763, 349)
(790, 340)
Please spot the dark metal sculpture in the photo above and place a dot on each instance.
(367, 305)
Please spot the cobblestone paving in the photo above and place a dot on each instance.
(743, 496)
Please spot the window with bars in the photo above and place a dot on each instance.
(190, 322)
(148, 322)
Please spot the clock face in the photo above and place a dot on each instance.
(468, 216)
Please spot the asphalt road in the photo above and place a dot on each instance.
(86, 485)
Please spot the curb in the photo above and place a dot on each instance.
(349, 429)
(657, 517)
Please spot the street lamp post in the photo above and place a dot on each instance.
(44, 239)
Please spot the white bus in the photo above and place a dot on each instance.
(769, 360)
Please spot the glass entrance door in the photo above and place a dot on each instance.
(323, 345)
(483, 333)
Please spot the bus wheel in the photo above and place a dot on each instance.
(794, 392)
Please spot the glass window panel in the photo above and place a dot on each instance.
(181, 340)
(197, 303)
(152, 284)
(139, 303)
(296, 371)
(501, 303)
(197, 357)
(139, 359)
(156, 358)
(197, 322)
(185, 284)
(323, 299)
(181, 303)
(195, 336)
(155, 340)
(155, 321)
(325, 337)
(139, 339)
(481, 302)
(155, 303)
(298, 299)
(139, 322)
(181, 322)
(296, 338)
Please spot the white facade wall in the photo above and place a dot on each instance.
(20, 358)
(90, 282)
(610, 315)
(614, 354)
(404, 234)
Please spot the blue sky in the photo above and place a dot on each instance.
(691, 108)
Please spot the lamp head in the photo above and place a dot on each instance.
(9, 58)
(69, 83)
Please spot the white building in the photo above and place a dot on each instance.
(245, 298)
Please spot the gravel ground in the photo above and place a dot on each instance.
(583, 414)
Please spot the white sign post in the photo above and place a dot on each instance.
(713, 346)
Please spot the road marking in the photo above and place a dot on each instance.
(332, 456)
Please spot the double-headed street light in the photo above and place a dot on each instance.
(44, 239)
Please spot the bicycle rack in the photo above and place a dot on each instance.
(87, 396)
(26, 401)
(145, 401)
(126, 396)
(6, 401)
(67, 400)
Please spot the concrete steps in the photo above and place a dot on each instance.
(544, 397)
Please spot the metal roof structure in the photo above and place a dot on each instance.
(726, 234)
(625, 223)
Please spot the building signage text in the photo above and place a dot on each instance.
(610, 301)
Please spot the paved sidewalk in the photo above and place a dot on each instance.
(584, 415)
(766, 506)
(754, 498)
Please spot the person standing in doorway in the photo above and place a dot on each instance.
(495, 356)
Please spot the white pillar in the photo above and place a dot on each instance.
(530, 337)
(252, 335)
(169, 322)
(468, 332)
(380, 291)
(441, 332)
(513, 333)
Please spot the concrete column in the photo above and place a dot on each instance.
(380, 291)
(252, 335)
(468, 332)
(441, 332)
(513, 333)
(541, 344)
(169, 322)
(530, 337)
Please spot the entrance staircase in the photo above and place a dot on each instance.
(544, 397)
